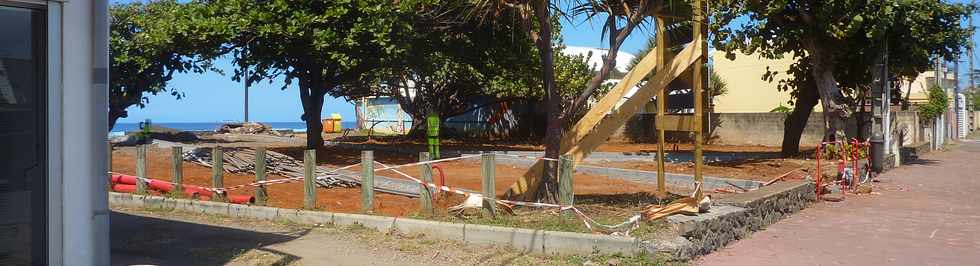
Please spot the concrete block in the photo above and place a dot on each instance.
(380, 223)
(524, 240)
(215, 208)
(440, 230)
(311, 217)
(577, 243)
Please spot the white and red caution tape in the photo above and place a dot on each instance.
(527, 157)
(588, 221)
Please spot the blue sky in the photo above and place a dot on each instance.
(213, 98)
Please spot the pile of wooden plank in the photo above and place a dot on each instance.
(242, 160)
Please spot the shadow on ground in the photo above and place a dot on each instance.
(921, 161)
(147, 240)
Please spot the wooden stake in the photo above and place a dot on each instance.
(217, 172)
(177, 160)
(309, 176)
(661, 108)
(566, 195)
(425, 195)
(488, 172)
(367, 181)
(261, 195)
(141, 169)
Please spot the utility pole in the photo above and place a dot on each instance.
(937, 122)
(954, 114)
(879, 111)
(245, 80)
(969, 49)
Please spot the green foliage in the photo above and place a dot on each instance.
(781, 109)
(448, 62)
(336, 42)
(329, 47)
(935, 105)
(835, 151)
(850, 35)
(149, 42)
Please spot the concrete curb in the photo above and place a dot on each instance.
(525, 240)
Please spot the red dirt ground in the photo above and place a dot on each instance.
(469, 145)
(463, 174)
(758, 170)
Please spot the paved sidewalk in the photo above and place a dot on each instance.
(927, 213)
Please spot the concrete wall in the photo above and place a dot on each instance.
(78, 63)
(764, 129)
(745, 85)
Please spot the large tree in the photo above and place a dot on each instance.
(619, 19)
(835, 44)
(325, 46)
(149, 43)
(448, 62)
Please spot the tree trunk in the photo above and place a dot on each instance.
(311, 92)
(834, 109)
(795, 122)
(115, 113)
(548, 187)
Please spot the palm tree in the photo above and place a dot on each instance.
(622, 17)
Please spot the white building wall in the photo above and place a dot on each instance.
(78, 61)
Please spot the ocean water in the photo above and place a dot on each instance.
(121, 128)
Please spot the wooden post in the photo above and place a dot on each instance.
(489, 189)
(700, 32)
(367, 181)
(309, 176)
(261, 195)
(661, 106)
(425, 195)
(140, 169)
(566, 196)
(178, 170)
(217, 172)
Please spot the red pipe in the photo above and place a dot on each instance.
(241, 199)
(124, 188)
(442, 177)
(166, 187)
(127, 183)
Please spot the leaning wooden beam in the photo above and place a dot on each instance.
(604, 118)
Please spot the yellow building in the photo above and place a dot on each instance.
(747, 92)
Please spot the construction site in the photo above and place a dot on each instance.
(620, 189)
(634, 132)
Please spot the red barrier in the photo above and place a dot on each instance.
(844, 156)
(127, 183)
(124, 188)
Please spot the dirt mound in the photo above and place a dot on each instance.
(247, 128)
